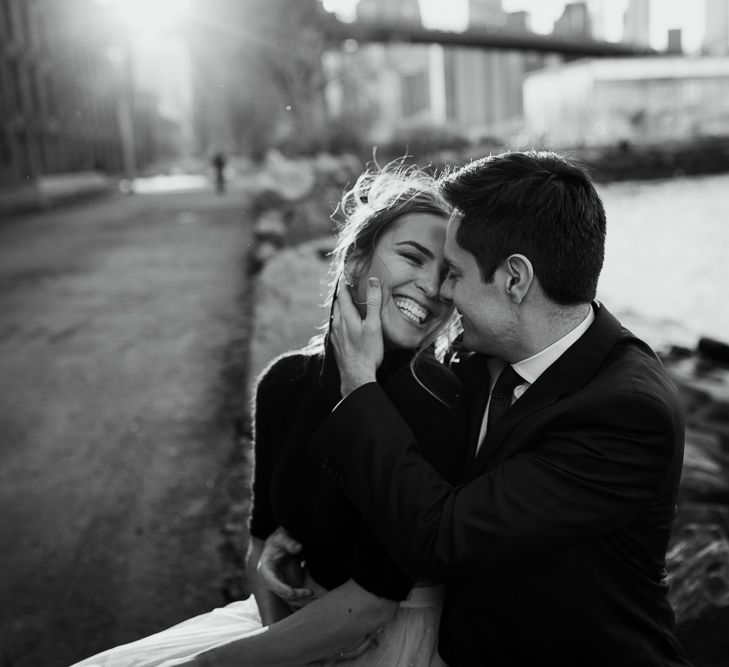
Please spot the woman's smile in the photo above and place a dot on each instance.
(408, 260)
(412, 310)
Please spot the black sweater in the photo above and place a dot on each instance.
(293, 397)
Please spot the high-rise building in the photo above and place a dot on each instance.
(384, 11)
(394, 82)
(483, 88)
(475, 92)
(636, 23)
(675, 42)
(485, 14)
(601, 12)
(59, 91)
(574, 22)
(716, 36)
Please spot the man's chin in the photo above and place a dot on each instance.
(472, 343)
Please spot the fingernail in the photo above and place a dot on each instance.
(373, 282)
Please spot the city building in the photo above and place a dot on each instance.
(636, 23)
(397, 88)
(634, 100)
(379, 11)
(58, 92)
(574, 22)
(675, 41)
(483, 88)
(381, 89)
(68, 100)
(600, 14)
(716, 36)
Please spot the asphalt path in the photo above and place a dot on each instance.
(123, 328)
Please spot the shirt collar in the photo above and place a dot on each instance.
(532, 367)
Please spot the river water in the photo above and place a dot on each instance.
(666, 272)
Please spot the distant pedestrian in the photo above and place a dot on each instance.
(218, 163)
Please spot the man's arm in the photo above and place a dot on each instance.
(590, 472)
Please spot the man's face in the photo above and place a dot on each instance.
(485, 310)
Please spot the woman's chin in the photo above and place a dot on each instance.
(404, 336)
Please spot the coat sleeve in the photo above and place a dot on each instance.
(592, 469)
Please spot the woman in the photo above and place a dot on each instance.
(394, 229)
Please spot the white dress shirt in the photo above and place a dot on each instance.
(532, 367)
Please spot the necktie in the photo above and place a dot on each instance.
(502, 393)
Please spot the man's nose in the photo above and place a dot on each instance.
(446, 290)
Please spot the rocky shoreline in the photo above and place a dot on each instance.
(294, 232)
(698, 558)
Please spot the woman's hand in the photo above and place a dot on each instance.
(281, 571)
(365, 644)
(358, 345)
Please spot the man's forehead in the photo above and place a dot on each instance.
(455, 217)
(451, 230)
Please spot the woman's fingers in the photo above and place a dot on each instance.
(358, 343)
(347, 309)
(368, 642)
(374, 305)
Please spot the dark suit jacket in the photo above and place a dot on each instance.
(553, 548)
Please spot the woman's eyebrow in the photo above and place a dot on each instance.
(426, 251)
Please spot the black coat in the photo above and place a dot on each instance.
(553, 548)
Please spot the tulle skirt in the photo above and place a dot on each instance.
(409, 640)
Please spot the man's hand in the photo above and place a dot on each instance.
(357, 342)
(280, 569)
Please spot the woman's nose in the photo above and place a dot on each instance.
(429, 283)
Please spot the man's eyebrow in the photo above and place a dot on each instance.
(426, 251)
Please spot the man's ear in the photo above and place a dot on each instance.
(520, 276)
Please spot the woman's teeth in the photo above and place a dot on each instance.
(412, 310)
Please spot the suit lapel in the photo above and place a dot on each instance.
(473, 373)
(570, 372)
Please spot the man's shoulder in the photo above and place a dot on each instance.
(633, 367)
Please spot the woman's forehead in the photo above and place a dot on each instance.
(418, 226)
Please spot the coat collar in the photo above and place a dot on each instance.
(566, 375)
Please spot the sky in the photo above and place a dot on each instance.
(665, 14)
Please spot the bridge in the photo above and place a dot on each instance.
(483, 38)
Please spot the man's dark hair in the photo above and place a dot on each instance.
(539, 204)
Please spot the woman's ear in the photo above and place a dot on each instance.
(520, 276)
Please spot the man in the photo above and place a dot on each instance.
(553, 547)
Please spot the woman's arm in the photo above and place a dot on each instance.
(329, 625)
(271, 607)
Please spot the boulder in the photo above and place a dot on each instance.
(698, 566)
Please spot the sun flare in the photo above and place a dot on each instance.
(149, 15)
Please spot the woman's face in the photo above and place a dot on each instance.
(408, 260)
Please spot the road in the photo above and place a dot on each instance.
(122, 356)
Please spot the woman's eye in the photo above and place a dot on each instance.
(415, 259)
